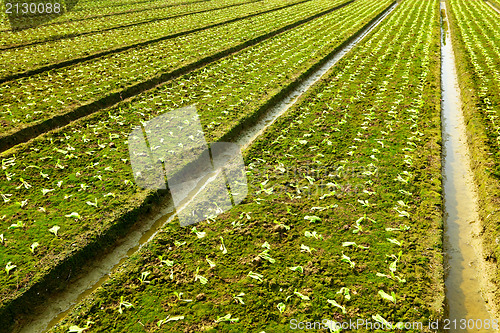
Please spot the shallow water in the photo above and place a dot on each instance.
(464, 283)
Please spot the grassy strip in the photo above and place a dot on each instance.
(311, 241)
(64, 53)
(130, 73)
(99, 171)
(105, 23)
(481, 135)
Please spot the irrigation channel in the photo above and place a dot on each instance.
(493, 6)
(465, 274)
(98, 271)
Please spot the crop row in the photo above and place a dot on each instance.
(483, 49)
(30, 100)
(94, 9)
(18, 60)
(128, 4)
(342, 220)
(78, 26)
(64, 189)
(475, 30)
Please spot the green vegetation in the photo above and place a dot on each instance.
(20, 59)
(97, 80)
(75, 184)
(358, 236)
(343, 219)
(78, 22)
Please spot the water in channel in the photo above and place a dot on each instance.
(467, 309)
(93, 276)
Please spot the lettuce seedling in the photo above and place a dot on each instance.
(5, 197)
(75, 215)
(386, 296)
(297, 268)
(169, 318)
(222, 246)
(23, 203)
(238, 298)
(348, 260)
(143, 277)
(402, 227)
(227, 318)
(199, 234)
(345, 291)
(324, 208)
(381, 320)
(210, 262)
(167, 262)
(313, 234)
(45, 191)
(203, 280)
(256, 276)
(395, 241)
(265, 255)
(334, 303)
(303, 297)
(33, 247)
(54, 230)
(90, 203)
(347, 244)
(179, 295)
(125, 304)
(312, 218)
(9, 267)
(23, 183)
(19, 224)
(305, 248)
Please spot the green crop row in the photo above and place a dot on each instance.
(64, 189)
(77, 23)
(31, 100)
(475, 28)
(343, 218)
(18, 60)
(95, 8)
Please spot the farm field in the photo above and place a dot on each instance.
(85, 23)
(344, 218)
(102, 80)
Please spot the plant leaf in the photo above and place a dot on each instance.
(334, 303)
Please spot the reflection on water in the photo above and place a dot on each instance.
(463, 284)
